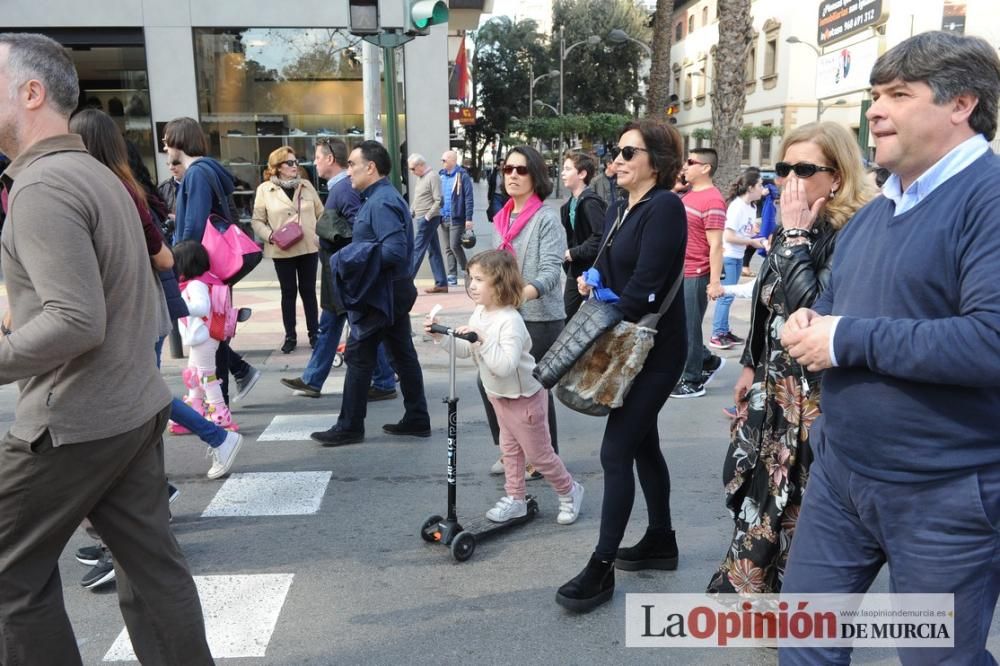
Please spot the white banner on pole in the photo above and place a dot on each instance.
(845, 70)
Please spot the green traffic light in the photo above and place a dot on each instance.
(426, 13)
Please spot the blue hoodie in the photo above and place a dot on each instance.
(205, 189)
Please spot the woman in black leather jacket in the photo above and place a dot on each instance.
(767, 465)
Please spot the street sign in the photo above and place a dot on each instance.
(846, 70)
(464, 115)
(839, 19)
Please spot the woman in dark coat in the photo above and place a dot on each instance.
(640, 263)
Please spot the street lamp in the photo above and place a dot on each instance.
(795, 40)
(619, 36)
(540, 103)
(564, 50)
(821, 107)
(531, 88)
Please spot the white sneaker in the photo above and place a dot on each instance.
(506, 509)
(497, 468)
(569, 505)
(224, 454)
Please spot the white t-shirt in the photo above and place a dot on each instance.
(740, 218)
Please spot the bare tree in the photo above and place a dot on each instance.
(659, 70)
(729, 86)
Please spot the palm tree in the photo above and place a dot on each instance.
(729, 85)
(659, 70)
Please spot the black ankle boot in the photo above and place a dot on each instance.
(656, 550)
(289, 346)
(592, 587)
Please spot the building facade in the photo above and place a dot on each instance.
(790, 84)
(256, 75)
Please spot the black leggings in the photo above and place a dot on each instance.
(298, 275)
(631, 438)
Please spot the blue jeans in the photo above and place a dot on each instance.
(384, 377)
(331, 325)
(939, 536)
(731, 269)
(183, 415)
(361, 358)
(427, 242)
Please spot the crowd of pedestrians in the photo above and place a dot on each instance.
(859, 436)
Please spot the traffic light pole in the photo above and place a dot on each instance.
(391, 117)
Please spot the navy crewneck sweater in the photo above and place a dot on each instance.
(917, 393)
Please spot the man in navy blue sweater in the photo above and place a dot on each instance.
(907, 453)
(383, 223)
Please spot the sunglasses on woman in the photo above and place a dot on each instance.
(290, 163)
(627, 152)
(510, 168)
(801, 169)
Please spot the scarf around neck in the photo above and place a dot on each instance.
(289, 184)
(509, 230)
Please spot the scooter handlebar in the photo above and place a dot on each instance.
(445, 330)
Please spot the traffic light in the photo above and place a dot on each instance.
(364, 17)
(673, 108)
(422, 14)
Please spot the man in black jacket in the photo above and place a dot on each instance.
(583, 219)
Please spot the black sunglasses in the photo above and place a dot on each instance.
(510, 168)
(290, 163)
(801, 169)
(627, 152)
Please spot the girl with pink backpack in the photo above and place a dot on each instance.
(211, 320)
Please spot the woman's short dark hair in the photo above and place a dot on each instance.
(537, 169)
(951, 65)
(184, 134)
(191, 259)
(373, 151)
(664, 147)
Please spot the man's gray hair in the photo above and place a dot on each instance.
(416, 159)
(951, 65)
(34, 56)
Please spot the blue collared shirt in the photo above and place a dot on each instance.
(957, 159)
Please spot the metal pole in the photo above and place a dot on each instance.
(819, 109)
(531, 90)
(391, 117)
(562, 60)
(863, 127)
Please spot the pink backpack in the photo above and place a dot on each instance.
(222, 320)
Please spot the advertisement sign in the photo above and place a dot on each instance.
(845, 70)
(839, 19)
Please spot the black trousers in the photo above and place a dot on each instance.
(543, 334)
(120, 485)
(228, 361)
(631, 440)
(297, 276)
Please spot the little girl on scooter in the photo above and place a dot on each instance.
(505, 367)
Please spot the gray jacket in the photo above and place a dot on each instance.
(83, 299)
(540, 248)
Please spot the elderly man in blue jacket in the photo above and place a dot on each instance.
(378, 293)
(456, 211)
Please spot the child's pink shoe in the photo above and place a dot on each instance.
(220, 415)
(197, 404)
(175, 428)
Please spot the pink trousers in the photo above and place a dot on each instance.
(524, 434)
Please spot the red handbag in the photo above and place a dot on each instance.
(291, 232)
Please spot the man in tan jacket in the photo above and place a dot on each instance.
(86, 440)
(426, 211)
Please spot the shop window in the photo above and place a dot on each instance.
(263, 88)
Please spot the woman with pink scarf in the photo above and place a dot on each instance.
(532, 232)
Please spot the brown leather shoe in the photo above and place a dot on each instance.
(436, 290)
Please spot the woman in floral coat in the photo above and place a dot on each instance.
(767, 466)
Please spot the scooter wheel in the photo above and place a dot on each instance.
(338, 360)
(463, 546)
(426, 533)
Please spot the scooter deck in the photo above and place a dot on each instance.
(484, 528)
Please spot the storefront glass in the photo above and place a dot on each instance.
(262, 88)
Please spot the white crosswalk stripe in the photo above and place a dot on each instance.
(295, 427)
(269, 494)
(240, 615)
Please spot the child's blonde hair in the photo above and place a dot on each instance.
(500, 267)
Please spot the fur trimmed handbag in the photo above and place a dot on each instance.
(582, 330)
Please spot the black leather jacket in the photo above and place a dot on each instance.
(804, 272)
